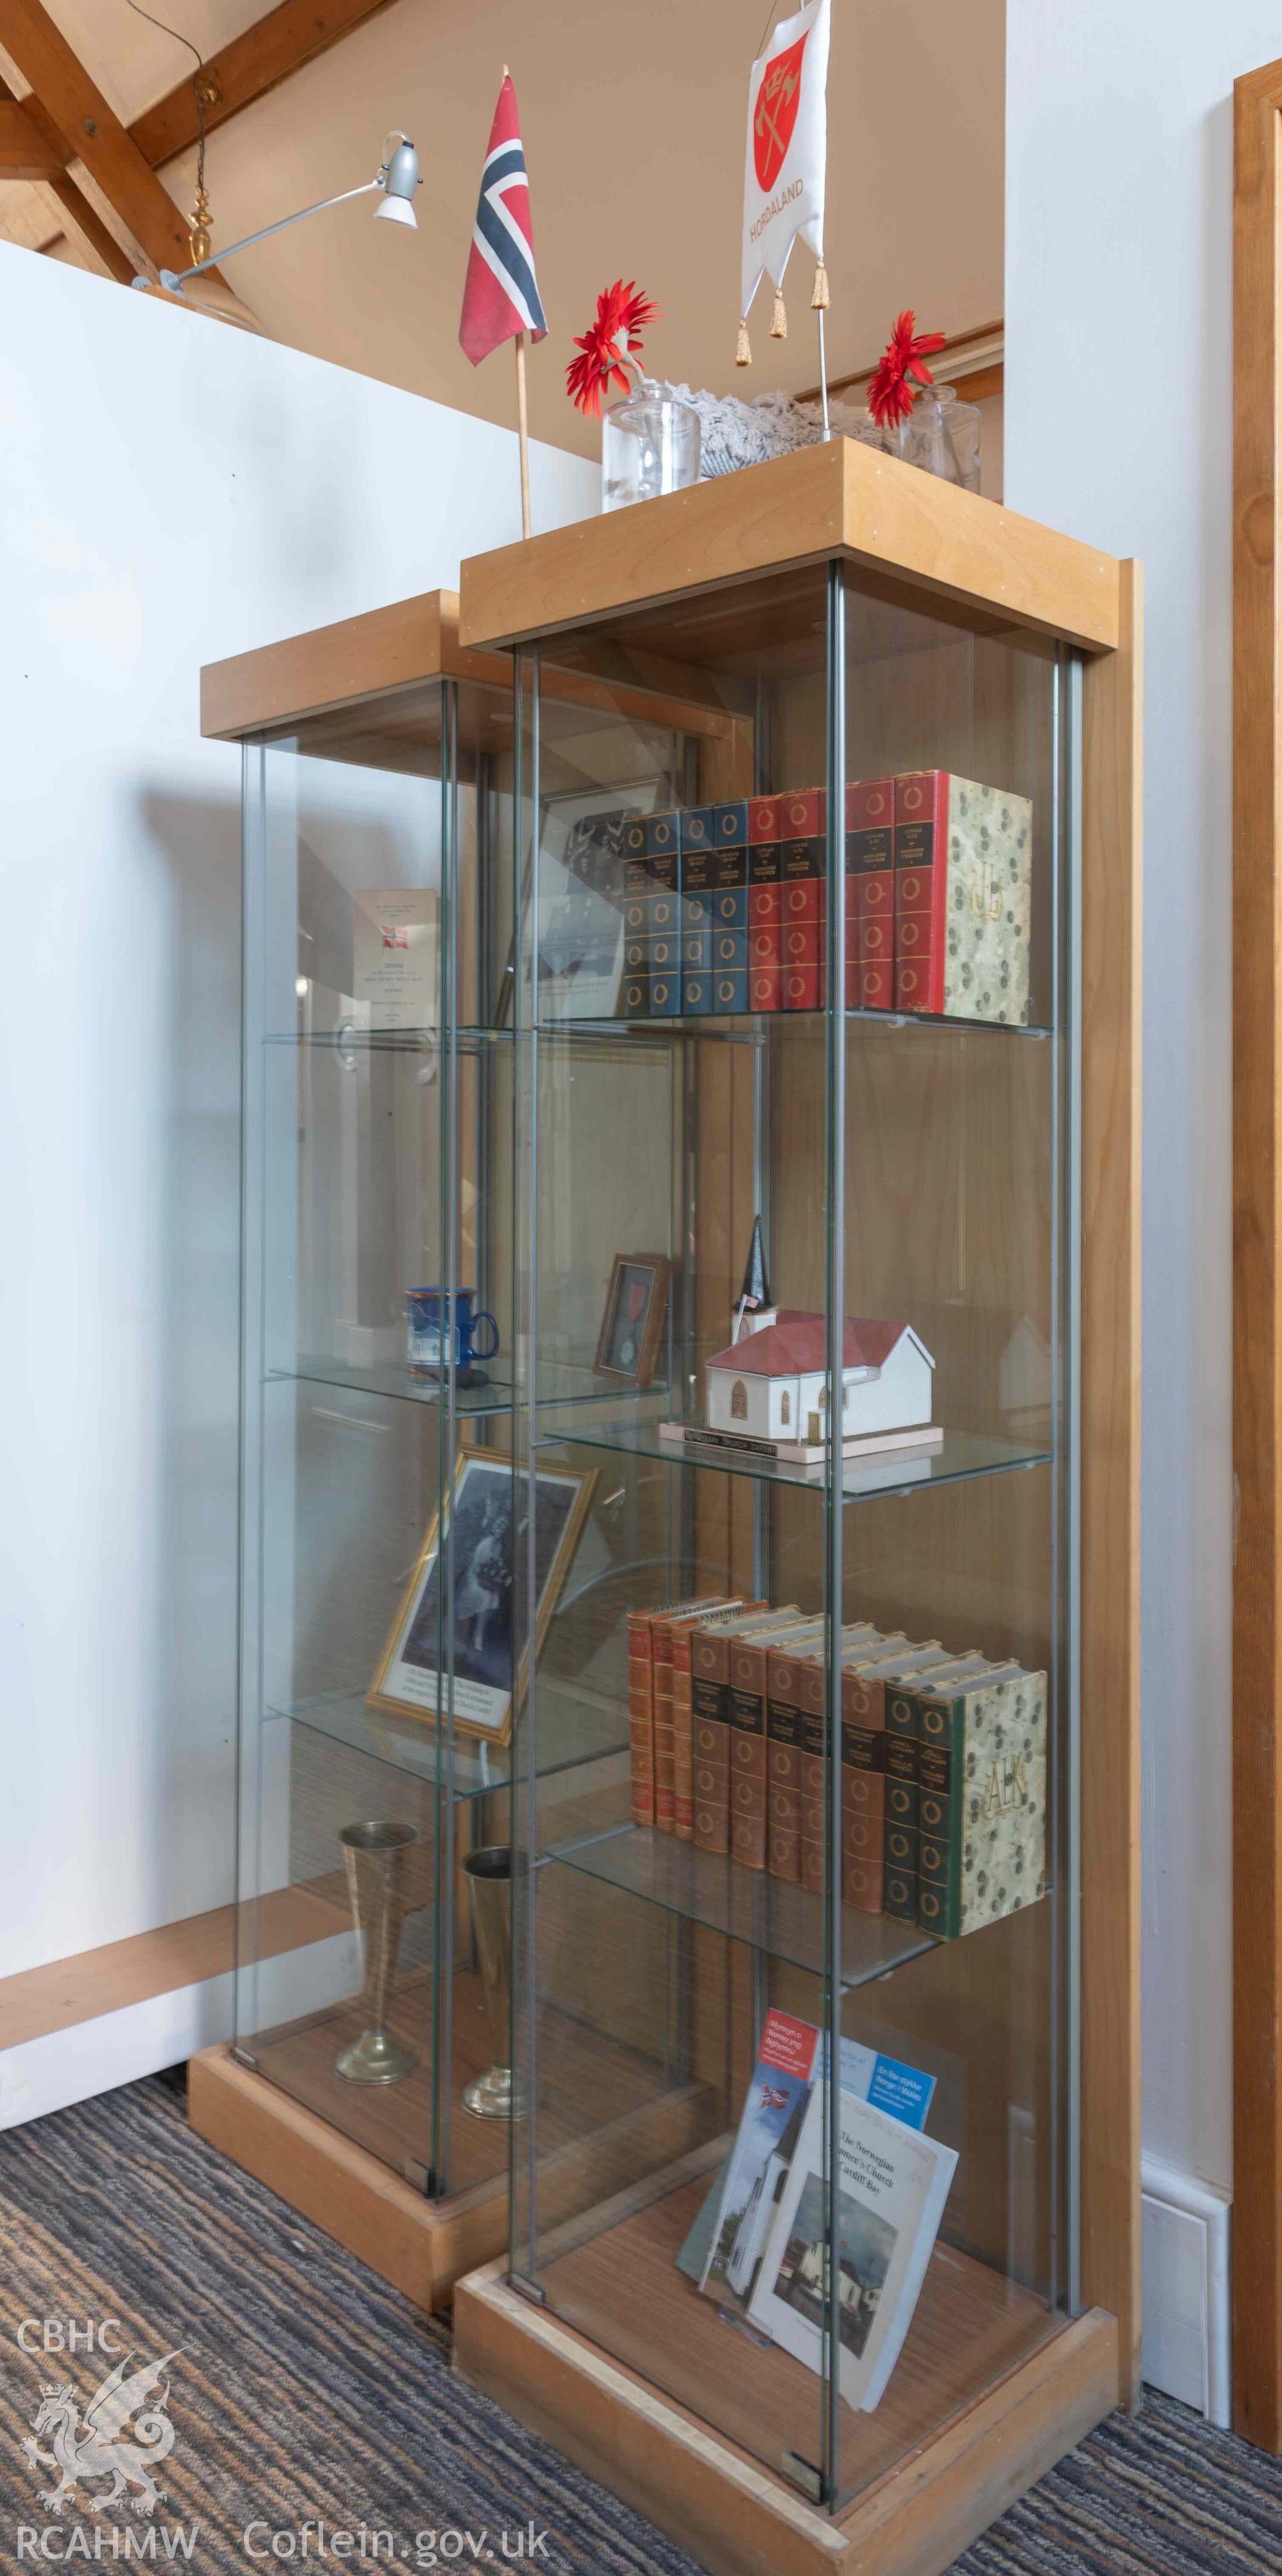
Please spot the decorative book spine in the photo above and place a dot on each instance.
(662, 1624)
(865, 1764)
(765, 906)
(899, 1897)
(682, 1736)
(634, 992)
(928, 1668)
(641, 1717)
(803, 879)
(710, 1724)
(812, 1705)
(982, 1798)
(685, 1635)
(784, 1731)
(963, 896)
(696, 908)
(796, 1696)
(870, 893)
(748, 1796)
(863, 1791)
(730, 907)
(663, 871)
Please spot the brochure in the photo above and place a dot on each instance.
(892, 2186)
(724, 2248)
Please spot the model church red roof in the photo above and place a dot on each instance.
(797, 1346)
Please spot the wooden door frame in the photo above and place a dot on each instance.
(1257, 1262)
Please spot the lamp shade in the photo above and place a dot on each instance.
(402, 171)
(397, 210)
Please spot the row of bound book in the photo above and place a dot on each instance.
(943, 1758)
(725, 906)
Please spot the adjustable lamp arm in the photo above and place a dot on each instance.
(398, 176)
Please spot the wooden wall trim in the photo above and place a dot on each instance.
(1257, 1317)
(38, 2001)
(1110, 1499)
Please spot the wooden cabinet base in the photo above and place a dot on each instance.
(421, 2246)
(730, 2513)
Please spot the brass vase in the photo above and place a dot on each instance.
(500, 2093)
(374, 1859)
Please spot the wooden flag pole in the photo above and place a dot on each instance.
(523, 433)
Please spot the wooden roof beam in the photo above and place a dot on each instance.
(25, 153)
(245, 70)
(67, 100)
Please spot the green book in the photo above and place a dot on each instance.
(899, 1895)
(981, 1764)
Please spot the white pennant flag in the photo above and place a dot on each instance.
(783, 186)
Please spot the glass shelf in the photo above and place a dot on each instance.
(785, 1922)
(576, 1725)
(752, 1028)
(962, 1454)
(352, 1041)
(559, 1385)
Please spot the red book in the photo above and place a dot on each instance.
(641, 1624)
(804, 884)
(765, 906)
(870, 889)
(921, 834)
(870, 893)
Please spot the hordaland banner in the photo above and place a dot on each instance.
(783, 188)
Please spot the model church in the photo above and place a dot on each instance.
(772, 1383)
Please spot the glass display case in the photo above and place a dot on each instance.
(825, 2163)
(378, 1668)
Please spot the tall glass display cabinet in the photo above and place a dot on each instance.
(368, 2078)
(824, 2227)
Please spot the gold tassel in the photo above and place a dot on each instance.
(778, 319)
(743, 353)
(819, 293)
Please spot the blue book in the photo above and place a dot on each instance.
(634, 991)
(730, 990)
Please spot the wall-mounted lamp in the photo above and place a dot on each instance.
(396, 181)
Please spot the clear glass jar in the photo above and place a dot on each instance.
(941, 435)
(649, 444)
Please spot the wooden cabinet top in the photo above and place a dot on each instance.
(834, 500)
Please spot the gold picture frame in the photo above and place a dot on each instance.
(486, 1692)
(647, 1277)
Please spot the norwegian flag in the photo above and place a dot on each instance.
(771, 2098)
(501, 296)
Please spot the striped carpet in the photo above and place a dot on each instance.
(306, 2392)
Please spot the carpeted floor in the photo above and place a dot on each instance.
(305, 2392)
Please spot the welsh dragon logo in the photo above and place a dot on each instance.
(89, 2445)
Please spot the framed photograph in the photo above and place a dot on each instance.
(477, 1522)
(632, 1324)
(581, 902)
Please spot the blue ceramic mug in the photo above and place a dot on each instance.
(440, 1328)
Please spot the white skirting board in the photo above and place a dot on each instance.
(43, 2075)
(1185, 2242)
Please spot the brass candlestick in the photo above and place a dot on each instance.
(500, 2093)
(374, 1859)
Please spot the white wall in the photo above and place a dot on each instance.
(170, 491)
(1118, 428)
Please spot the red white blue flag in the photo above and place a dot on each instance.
(501, 296)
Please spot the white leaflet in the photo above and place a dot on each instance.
(893, 2185)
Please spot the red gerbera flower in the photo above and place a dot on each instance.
(890, 395)
(622, 314)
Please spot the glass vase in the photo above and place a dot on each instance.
(649, 445)
(941, 435)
